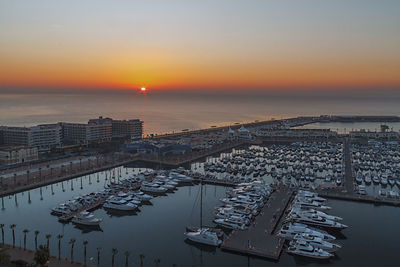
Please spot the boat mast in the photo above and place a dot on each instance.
(201, 203)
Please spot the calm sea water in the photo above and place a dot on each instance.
(157, 230)
(167, 111)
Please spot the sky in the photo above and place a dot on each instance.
(218, 44)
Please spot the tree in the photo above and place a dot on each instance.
(114, 252)
(12, 226)
(157, 261)
(25, 231)
(36, 238)
(84, 252)
(48, 236)
(72, 242)
(141, 259)
(126, 258)
(2, 232)
(59, 237)
(42, 256)
(98, 255)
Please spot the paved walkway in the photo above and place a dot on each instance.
(28, 255)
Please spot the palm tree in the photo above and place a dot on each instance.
(12, 226)
(174, 265)
(2, 232)
(114, 252)
(59, 237)
(126, 258)
(48, 236)
(141, 259)
(84, 252)
(72, 242)
(25, 231)
(157, 261)
(98, 255)
(36, 236)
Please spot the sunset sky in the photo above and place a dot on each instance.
(186, 44)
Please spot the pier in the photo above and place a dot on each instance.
(259, 239)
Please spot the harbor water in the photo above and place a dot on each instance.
(157, 230)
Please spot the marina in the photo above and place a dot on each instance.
(273, 172)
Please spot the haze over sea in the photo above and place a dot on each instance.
(174, 110)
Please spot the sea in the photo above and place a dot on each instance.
(166, 111)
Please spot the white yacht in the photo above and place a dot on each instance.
(311, 212)
(142, 196)
(308, 251)
(87, 219)
(204, 236)
(289, 231)
(153, 188)
(310, 204)
(316, 221)
(121, 204)
(316, 242)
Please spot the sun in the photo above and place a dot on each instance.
(143, 89)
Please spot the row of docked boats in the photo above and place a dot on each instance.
(241, 205)
(298, 161)
(123, 195)
(376, 178)
(306, 224)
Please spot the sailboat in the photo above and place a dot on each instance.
(204, 235)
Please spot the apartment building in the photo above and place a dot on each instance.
(43, 137)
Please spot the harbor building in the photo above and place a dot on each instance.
(17, 154)
(44, 137)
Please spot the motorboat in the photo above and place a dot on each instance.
(204, 236)
(86, 218)
(316, 242)
(142, 196)
(316, 220)
(290, 232)
(308, 251)
(119, 204)
(153, 188)
(309, 212)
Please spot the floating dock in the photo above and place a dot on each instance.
(259, 238)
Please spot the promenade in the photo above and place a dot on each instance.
(37, 176)
(27, 255)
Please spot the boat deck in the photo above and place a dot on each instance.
(259, 239)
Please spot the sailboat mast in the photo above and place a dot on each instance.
(201, 203)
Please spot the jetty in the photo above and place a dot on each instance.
(259, 239)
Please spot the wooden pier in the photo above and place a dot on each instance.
(259, 239)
